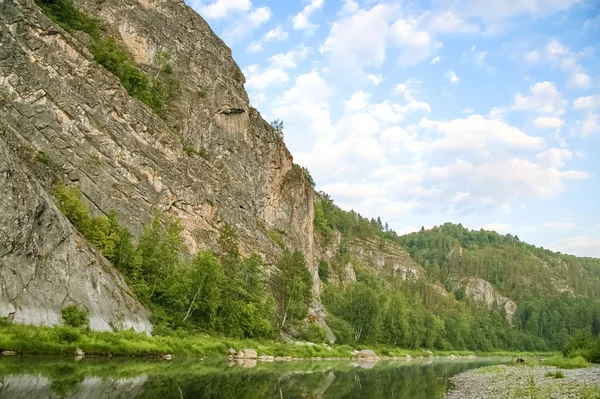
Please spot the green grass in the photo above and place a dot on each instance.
(26, 339)
(561, 362)
(555, 374)
(65, 340)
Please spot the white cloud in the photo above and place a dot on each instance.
(301, 20)
(243, 25)
(560, 56)
(275, 34)
(289, 59)
(557, 226)
(554, 157)
(261, 80)
(581, 80)
(416, 44)
(255, 47)
(221, 8)
(478, 136)
(545, 99)
(259, 16)
(587, 102)
(474, 57)
(376, 79)
(532, 56)
(495, 226)
(359, 39)
(589, 125)
(580, 246)
(435, 60)
(468, 111)
(449, 22)
(451, 75)
(548, 122)
(502, 9)
(305, 107)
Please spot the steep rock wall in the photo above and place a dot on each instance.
(67, 118)
(45, 265)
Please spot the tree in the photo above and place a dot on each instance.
(294, 286)
(277, 125)
(229, 253)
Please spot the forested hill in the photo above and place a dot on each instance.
(552, 295)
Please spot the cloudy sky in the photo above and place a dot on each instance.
(423, 112)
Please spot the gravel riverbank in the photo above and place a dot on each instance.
(524, 381)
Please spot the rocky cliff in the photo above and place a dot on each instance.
(67, 118)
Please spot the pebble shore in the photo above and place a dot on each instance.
(509, 381)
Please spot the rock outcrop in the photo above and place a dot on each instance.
(482, 291)
(45, 265)
(67, 118)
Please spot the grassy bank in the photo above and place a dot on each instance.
(25, 339)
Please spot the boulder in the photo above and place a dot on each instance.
(408, 357)
(367, 354)
(452, 357)
(232, 352)
(248, 354)
(79, 352)
(167, 357)
(9, 353)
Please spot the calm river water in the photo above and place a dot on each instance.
(89, 378)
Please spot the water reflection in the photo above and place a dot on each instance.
(49, 378)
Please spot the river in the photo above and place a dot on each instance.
(97, 378)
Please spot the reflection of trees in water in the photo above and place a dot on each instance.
(406, 381)
(196, 379)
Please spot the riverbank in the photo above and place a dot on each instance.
(532, 381)
(26, 339)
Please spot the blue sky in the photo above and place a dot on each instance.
(423, 112)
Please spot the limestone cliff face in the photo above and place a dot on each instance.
(68, 118)
(482, 291)
(45, 265)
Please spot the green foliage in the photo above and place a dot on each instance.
(43, 158)
(190, 150)
(577, 362)
(119, 62)
(112, 55)
(293, 287)
(229, 253)
(226, 295)
(74, 317)
(308, 176)
(320, 222)
(163, 62)
(67, 16)
(314, 333)
(342, 330)
(277, 237)
(324, 271)
(277, 126)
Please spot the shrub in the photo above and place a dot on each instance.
(314, 333)
(342, 330)
(74, 317)
(324, 271)
(67, 16)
